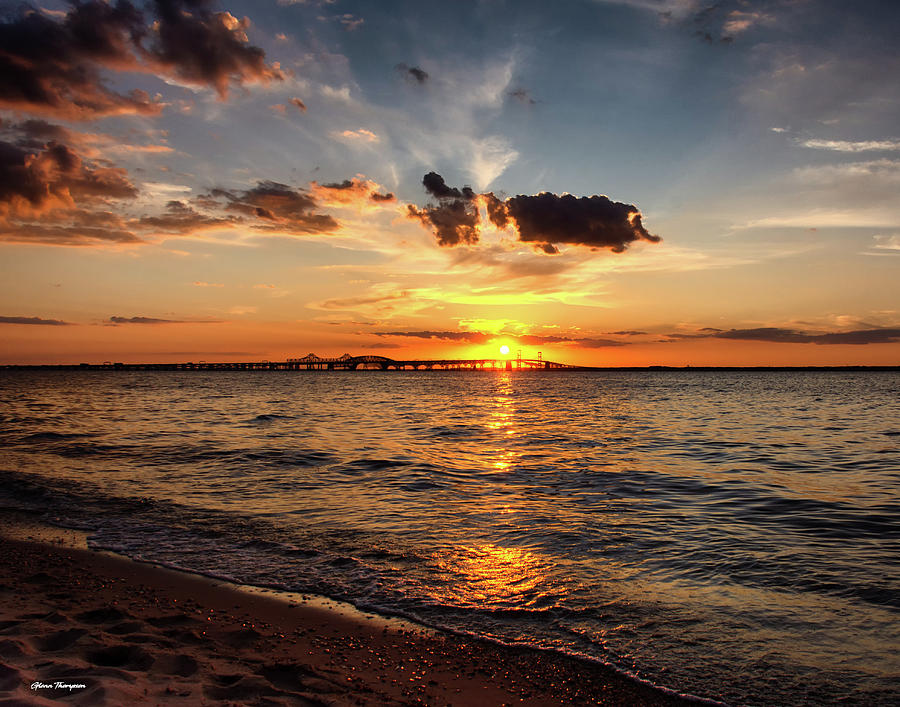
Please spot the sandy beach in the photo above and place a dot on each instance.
(90, 628)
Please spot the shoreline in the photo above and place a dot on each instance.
(139, 633)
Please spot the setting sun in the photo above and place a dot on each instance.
(504, 349)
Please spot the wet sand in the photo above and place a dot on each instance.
(91, 628)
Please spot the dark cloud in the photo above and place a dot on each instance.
(860, 337)
(599, 343)
(53, 67)
(153, 320)
(383, 198)
(454, 222)
(496, 210)
(33, 183)
(544, 220)
(523, 96)
(536, 340)
(346, 184)
(595, 221)
(180, 218)
(413, 73)
(143, 320)
(199, 46)
(66, 234)
(791, 336)
(773, 334)
(33, 320)
(275, 206)
(35, 134)
(298, 103)
(779, 335)
(476, 337)
(473, 337)
(454, 219)
(436, 186)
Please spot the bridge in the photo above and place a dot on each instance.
(352, 363)
(312, 362)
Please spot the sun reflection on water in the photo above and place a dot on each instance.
(490, 575)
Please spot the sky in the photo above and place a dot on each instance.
(606, 182)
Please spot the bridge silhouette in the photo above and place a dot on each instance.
(312, 362)
(368, 361)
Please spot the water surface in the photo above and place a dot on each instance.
(732, 535)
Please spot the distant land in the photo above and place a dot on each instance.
(382, 364)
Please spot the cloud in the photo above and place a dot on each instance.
(737, 22)
(67, 234)
(544, 220)
(855, 186)
(595, 221)
(779, 335)
(717, 21)
(198, 46)
(472, 337)
(360, 135)
(52, 196)
(153, 320)
(362, 301)
(490, 156)
(889, 243)
(413, 74)
(477, 337)
(275, 206)
(523, 96)
(849, 146)
(348, 21)
(180, 218)
(436, 186)
(454, 219)
(51, 65)
(33, 320)
(585, 342)
(358, 191)
(300, 105)
(142, 320)
(32, 183)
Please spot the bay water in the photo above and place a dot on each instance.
(733, 536)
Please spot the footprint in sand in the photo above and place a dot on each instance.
(59, 640)
(106, 615)
(10, 678)
(121, 656)
(10, 648)
(288, 676)
(182, 665)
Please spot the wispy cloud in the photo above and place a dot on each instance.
(850, 146)
(154, 320)
(33, 320)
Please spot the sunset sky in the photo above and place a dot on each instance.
(608, 182)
